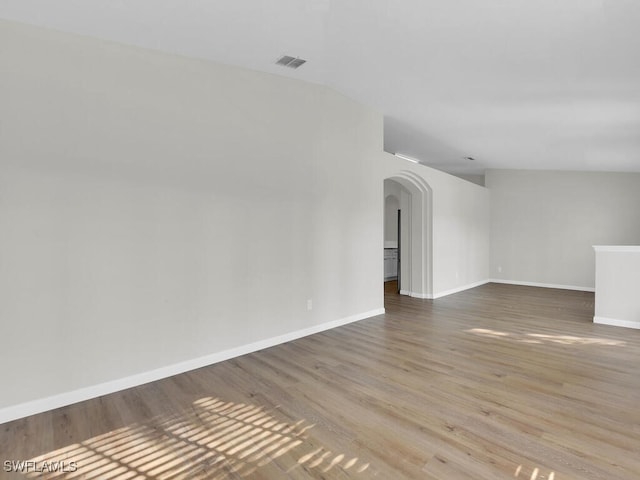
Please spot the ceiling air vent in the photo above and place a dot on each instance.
(291, 62)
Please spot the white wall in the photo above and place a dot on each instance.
(156, 209)
(543, 224)
(477, 179)
(461, 217)
(617, 286)
(460, 234)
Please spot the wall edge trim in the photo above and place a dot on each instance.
(429, 296)
(616, 322)
(459, 289)
(617, 248)
(415, 294)
(542, 285)
(15, 412)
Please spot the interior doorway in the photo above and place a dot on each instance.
(392, 235)
(399, 254)
(407, 235)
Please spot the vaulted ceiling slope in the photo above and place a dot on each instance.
(544, 84)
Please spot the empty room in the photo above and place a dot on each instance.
(320, 239)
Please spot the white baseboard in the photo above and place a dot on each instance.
(459, 289)
(415, 294)
(430, 296)
(543, 285)
(617, 323)
(15, 412)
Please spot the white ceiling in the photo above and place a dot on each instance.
(536, 84)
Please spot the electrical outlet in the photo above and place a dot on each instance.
(499, 269)
(310, 304)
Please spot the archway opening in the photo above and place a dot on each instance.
(413, 240)
(392, 214)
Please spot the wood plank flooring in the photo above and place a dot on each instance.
(496, 382)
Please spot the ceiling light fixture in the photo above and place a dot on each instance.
(291, 62)
(404, 157)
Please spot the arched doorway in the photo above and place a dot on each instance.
(415, 234)
(392, 193)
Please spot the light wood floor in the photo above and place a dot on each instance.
(495, 382)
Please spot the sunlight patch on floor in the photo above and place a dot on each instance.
(535, 474)
(540, 338)
(216, 439)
